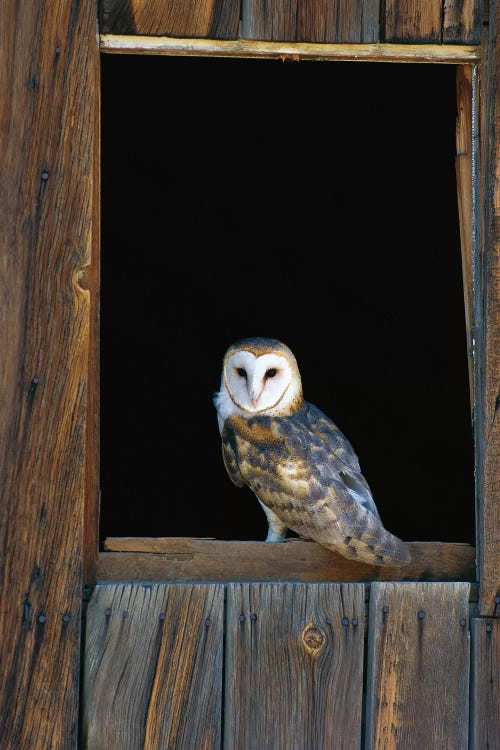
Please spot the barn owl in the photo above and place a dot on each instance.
(297, 462)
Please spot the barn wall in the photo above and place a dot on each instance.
(48, 63)
(289, 659)
(331, 21)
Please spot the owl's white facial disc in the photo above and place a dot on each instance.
(258, 384)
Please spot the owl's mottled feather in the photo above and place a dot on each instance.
(296, 460)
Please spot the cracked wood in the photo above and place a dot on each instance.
(49, 60)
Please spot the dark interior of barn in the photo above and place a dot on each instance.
(312, 202)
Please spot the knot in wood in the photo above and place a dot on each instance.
(313, 639)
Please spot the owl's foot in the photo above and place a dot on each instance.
(273, 536)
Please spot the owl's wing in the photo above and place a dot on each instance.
(337, 509)
(346, 461)
(229, 455)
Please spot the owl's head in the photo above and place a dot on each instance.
(259, 376)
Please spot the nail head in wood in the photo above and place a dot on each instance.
(107, 612)
(125, 614)
(488, 628)
(66, 617)
(345, 621)
(41, 618)
(253, 616)
(421, 614)
(45, 175)
(463, 622)
(385, 609)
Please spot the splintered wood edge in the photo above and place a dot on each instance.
(185, 559)
(162, 45)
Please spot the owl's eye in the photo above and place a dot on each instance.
(241, 372)
(271, 373)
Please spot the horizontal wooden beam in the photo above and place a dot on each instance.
(161, 45)
(183, 559)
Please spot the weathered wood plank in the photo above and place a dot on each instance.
(488, 428)
(214, 19)
(185, 559)
(331, 21)
(413, 21)
(431, 53)
(153, 667)
(294, 666)
(485, 695)
(418, 666)
(462, 21)
(90, 280)
(48, 61)
(305, 21)
(463, 166)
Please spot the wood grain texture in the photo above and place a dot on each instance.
(185, 559)
(153, 668)
(462, 21)
(327, 21)
(488, 525)
(413, 21)
(91, 281)
(463, 167)
(214, 19)
(116, 44)
(418, 666)
(48, 64)
(294, 666)
(485, 695)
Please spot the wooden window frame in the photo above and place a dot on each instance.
(188, 559)
(49, 213)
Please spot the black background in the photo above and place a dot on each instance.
(313, 202)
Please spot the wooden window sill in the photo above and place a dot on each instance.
(184, 559)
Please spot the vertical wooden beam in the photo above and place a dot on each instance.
(413, 21)
(488, 428)
(48, 64)
(485, 693)
(91, 281)
(463, 164)
(294, 666)
(330, 21)
(418, 666)
(153, 667)
(462, 21)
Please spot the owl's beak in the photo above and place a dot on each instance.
(254, 392)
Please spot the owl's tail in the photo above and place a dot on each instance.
(379, 547)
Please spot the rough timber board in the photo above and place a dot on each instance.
(186, 559)
(462, 21)
(153, 667)
(294, 666)
(413, 20)
(48, 64)
(215, 19)
(418, 666)
(330, 21)
(488, 429)
(485, 694)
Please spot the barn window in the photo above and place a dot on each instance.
(314, 202)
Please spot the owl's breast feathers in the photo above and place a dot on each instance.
(304, 469)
